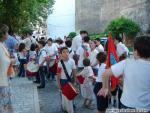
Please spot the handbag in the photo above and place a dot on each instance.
(10, 70)
(68, 90)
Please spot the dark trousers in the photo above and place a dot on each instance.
(21, 68)
(41, 75)
(119, 97)
(50, 73)
(95, 71)
(102, 102)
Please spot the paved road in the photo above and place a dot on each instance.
(24, 96)
(27, 99)
(50, 100)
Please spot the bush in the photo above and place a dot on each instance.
(94, 36)
(25, 30)
(123, 25)
(72, 35)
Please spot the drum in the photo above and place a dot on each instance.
(53, 66)
(32, 68)
(69, 91)
(80, 79)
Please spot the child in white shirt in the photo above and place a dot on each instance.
(102, 103)
(62, 79)
(87, 87)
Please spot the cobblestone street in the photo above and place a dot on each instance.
(27, 99)
(50, 100)
(24, 96)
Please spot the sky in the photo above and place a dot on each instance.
(62, 20)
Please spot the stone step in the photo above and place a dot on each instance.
(24, 96)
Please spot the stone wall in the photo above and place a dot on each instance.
(94, 15)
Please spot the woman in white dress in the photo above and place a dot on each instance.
(5, 61)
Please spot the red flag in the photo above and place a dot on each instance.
(112, 58)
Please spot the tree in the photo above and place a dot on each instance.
(24, 13)
(72, 35)
(122, 25)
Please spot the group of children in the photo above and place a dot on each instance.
(100, 80)
(88, 60)
(90, 66)
(43, 54)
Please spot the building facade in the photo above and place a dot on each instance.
(94, 15)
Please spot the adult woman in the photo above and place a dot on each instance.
(5, 62)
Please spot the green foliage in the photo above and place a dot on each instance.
(23, 13)
(123, 25)
(94, 36)
(72, 35)
(26, 30)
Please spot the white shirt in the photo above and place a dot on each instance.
(4, 64)
(80, 52)
(121, 49)
(42, 55)
(136, 87)
(101, 70)
(51, 50)
(100, 48)
(86, 73)
(71, 53)
(93, 59)
(70, 65)
(62, 45)
(57, 45)
(32, 54)
(28, 41)
(21, 55)
(76, 42)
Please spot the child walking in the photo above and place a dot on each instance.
(42, 65)
(62, 78)
(22, 59)
(87, 87)
(102, 103)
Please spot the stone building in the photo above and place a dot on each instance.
(94, 15)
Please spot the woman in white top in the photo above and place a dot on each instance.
(135, 71)
(5, 62)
